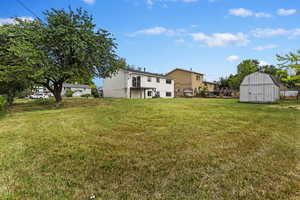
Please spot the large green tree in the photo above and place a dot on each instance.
(65, 47)
(291, 61)
(14, 72)
(245, 68)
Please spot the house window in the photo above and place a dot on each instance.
(136, 81)
(168, 94)
(149, 93)
(169, 81)
(149, 79)
(198, 78)
(157, 80)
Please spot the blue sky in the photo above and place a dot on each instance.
(209, 36)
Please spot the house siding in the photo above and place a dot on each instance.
(115, 86)
(185, 81)
(120, 86)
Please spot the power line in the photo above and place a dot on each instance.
(28, 9)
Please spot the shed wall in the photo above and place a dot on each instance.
(259, 88)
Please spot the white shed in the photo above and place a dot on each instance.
(259, 87)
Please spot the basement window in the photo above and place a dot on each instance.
(168, 94)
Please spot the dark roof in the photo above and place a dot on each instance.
(75, 85)
(210, 82)
(147, 73)
(277, 81)
(184, 71)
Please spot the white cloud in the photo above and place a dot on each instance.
(263, 63)
(89, 1)
(233, 58)
(268, 32)
(286, 12)
(13, 20)
(222, 39)
(262, 15)
(242, 12)
(261, 48)
(158, 30)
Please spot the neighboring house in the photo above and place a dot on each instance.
(77, 89)
(211, 86)
(187, 82)
(260, 87)
(288, 92)
(41, 90)
(134, 84)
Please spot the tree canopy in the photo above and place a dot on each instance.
(249, 66)
(66, 47)
(14, 72)
(291, 61)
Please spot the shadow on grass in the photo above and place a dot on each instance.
(50, 104)
(2, 114)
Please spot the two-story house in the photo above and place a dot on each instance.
(134, 84)
(187, 82)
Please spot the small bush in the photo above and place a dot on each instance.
(202, 92)
(95, 93)
(2, 103)
(86, 95)
(69, 93)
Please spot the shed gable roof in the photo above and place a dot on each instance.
(273, 79)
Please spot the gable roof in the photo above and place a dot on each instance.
(214, 83)
(274, 79)
(179, 69)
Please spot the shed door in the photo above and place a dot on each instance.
(256, 93)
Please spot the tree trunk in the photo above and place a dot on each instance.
(298, 95)
(57, 93)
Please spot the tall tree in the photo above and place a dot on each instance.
(291, 61)
(64, 48)
(13, 70)
(247, 67)
(269, 69)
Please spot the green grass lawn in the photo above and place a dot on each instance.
(150, 149)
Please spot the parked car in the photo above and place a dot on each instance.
(39, 96)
